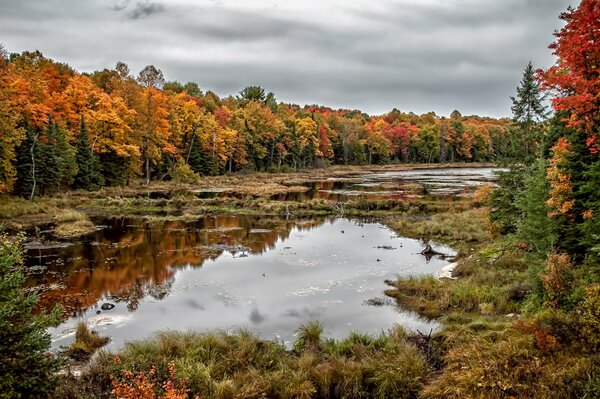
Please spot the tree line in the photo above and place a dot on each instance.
(60, 128)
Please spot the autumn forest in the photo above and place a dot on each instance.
(62, 128)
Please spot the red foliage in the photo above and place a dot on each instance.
(544, 341)
(576, 73)
(142, 385)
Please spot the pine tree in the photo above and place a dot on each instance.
(87, 176)
(66, 155)
(194, 158)
(112, 167)
(27, 370)
(528, 108)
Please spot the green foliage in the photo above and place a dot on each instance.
(253, 93)
(88, 176)
(589, 310)
(114, 168)
(528, 109)
(426, 144)
(183, 173)
(45, 162)
(503, 201)
(201, 161)
(25, 161)
(534, 226)
(27, 370)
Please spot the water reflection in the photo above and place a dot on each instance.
(221, 272)
(133, 257)
(397, 185)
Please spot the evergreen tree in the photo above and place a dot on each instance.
(503, 209)
(26, 184)
(113, 168)
(56, 165)
(27, 370)
(534, 225)
(85, 178)
(528, 108)
(194, 158)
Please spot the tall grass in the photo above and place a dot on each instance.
(239, 365)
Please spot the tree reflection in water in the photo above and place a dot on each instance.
(131, 258)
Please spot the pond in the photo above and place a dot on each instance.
(264, 273)
(397, 185)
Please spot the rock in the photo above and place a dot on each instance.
(446, 271)
(107, 306)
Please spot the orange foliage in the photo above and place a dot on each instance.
(561, 201)
(142, 385)
(555, 278)
(544, 341)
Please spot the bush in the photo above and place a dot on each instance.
(590, 317)
(183, 173)
(557, 279)
(27, 370)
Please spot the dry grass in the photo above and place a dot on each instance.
(72, 223)
(74, 229)
(69, 215)
(85, 344)
(221, 365)
(469, 226)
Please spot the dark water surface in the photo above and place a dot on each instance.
(264, 273)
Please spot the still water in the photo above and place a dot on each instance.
(397, 185)
(266, 274)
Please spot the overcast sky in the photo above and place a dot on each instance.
(415, 55)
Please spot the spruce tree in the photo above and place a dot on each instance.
(27, 370)
(49, 165)
(528, 108)
(86, 177)
(194, 158)
(534, 225)
(113, 168)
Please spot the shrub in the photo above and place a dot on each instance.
(556, 279)
(590, 317)
(183, 173)
(142, 385)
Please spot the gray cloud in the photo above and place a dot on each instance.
(143, 10)
(420, 55)
(120, 6)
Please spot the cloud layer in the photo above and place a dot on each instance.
(415, 55)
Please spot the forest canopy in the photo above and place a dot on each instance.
(61, 128)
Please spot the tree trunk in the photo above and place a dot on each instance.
(147, 170)
(32, 152)
(187, 158)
